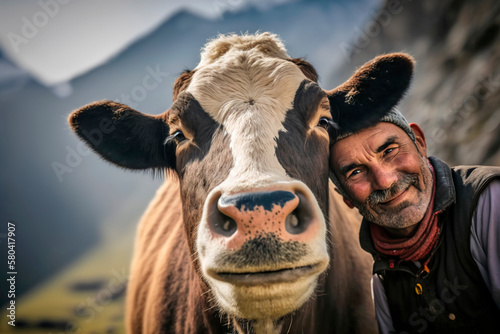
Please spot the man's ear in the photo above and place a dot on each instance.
(123, 135)
(373, 90)
(419, 139)
(348, 203)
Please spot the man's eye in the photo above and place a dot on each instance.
(175, 138)
(354, 173)
(389, 151)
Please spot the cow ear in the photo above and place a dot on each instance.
(123, 135)
(373, 90)
(181, 83)
(307, 69)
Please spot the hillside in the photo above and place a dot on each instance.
(455, 94)
(87, 297)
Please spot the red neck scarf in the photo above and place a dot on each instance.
(416, 247)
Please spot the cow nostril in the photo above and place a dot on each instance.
(218, 222)
(298, 221)
(229, 225)
(292, 220)
(293, 225)
(222, 224)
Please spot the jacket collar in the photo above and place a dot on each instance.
(445, 188)
(445, 196)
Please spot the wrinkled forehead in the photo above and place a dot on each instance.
(367, 143)
(245, 80)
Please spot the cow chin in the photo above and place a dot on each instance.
(254, 300)
(263, 291)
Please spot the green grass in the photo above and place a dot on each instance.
(87, 297)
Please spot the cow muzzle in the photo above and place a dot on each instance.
(263, 249)
(283, 215)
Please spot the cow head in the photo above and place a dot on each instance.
(248, 137)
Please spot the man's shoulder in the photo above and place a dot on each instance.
(486, 217)
(476, 173)
(467, 183)
(474, 179)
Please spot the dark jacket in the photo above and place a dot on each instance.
(451, 297)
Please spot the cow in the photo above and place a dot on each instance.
(247, 234)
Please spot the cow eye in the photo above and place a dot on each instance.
(175, 138)
(324, 123)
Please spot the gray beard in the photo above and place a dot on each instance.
(392, 218)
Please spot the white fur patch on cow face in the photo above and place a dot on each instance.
(249, 94)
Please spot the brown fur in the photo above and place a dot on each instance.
(181, 83)
(165, 289)
(371, 92)
(357, 83)
(306, 68)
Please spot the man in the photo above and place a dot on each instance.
(433, 231)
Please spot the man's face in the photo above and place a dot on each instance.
(384, 174)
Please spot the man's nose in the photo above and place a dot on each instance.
(383, 177)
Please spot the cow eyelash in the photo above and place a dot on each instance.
(175, 138)
(329, 125)
(325, 123)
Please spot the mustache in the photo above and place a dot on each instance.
(380, 196)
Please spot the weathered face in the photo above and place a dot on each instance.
(385, 174)
(251, 140)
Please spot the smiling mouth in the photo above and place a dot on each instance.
(266, 277)
(394, 199)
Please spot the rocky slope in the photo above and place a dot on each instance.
(455, 95)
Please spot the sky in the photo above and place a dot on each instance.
(38, 35)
